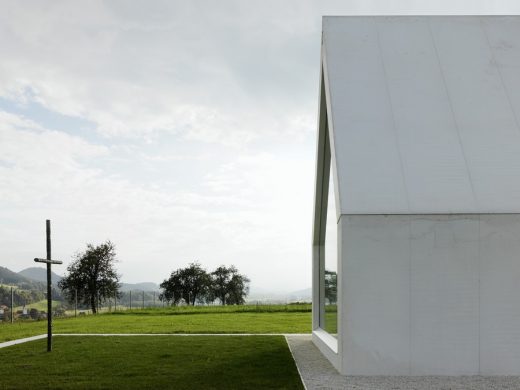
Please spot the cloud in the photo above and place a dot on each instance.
(213, 72)
(208, 73)
(239, 212)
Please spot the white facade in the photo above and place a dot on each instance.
(419, 124)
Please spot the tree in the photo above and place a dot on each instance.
(229, 286)
(331, 286)
(238, 288)
(92, 275)
(190, 284)
(172, 289)
(220, 279)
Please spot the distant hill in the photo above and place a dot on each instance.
(145, 286)
(268, 296)
(39, 274)
(301, 295)
(9, 277)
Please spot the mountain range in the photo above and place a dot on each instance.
(36, 277)
(11, 278)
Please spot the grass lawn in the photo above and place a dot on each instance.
(205, 362)
(170, 321)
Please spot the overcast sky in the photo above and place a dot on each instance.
(181, 130)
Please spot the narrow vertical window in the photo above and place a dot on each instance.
(329, 251)
(331, 264)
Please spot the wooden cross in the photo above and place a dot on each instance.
(48, 261)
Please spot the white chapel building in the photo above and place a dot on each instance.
(416, 240)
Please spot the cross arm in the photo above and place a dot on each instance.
(48, 261)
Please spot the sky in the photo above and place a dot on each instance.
(181, 131)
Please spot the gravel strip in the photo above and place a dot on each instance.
(318, 373)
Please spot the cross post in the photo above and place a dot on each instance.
(12, 305)
(49, 261)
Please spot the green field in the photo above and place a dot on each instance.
(213, 319)
(331, 319)
(40, 305)
(136, 362)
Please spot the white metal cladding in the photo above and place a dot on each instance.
(424, 113)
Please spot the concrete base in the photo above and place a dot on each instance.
(328, 346)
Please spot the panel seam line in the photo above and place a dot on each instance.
(410, 318)
(504, 86)
(394, 124)
(455, 122)
(479, 293)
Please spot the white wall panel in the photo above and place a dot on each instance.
(485, 119)
(433, 160)
(375, 295)
(500, 294)
(444, 295)
(430, 295)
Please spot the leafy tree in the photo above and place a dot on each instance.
(196, 283)
(220, 279)
(331, 287)
(238, 288)
(190, 284)
(92, 275)
(229, 286)
(172, 289)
